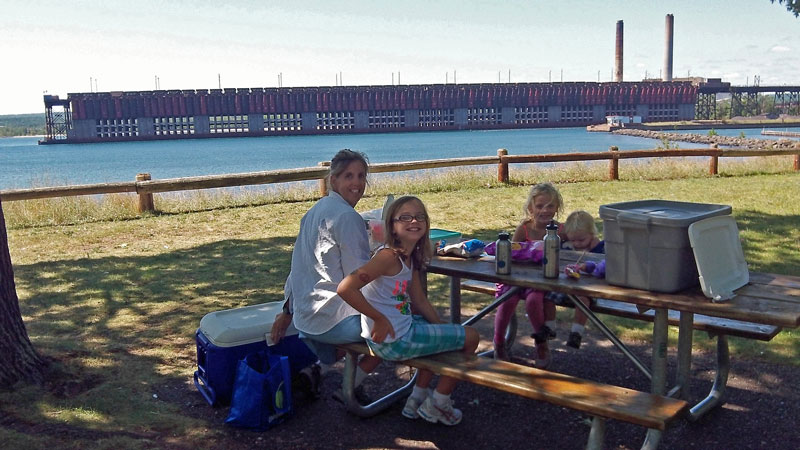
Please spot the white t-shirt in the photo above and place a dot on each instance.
(331, 244)
(389, 295)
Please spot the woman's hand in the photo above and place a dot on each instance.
(381, 329)
(279, 327)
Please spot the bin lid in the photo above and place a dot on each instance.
(240, 326)
(661, 212)
(719, 257)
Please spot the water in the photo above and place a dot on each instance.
(25, 164)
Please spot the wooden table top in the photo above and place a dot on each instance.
(768, 299)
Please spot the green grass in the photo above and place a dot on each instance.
(114, 299)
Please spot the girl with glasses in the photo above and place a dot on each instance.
(397, 320)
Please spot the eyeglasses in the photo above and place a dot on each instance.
(421, 217)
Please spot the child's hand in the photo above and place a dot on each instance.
(381, 329)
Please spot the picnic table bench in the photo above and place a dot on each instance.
(601, 401)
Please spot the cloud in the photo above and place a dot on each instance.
(780, 49)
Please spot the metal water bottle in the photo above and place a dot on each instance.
(502, 254)
(552, 245)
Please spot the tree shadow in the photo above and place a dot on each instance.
(119, 331)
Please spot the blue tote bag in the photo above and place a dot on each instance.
(262, 392)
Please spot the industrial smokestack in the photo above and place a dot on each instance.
(670, 24)
(618, 54)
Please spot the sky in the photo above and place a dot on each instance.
(60, 47)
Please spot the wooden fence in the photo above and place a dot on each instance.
(146, 187)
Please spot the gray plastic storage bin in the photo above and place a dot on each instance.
(647, 243)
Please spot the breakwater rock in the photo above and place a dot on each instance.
(729, 141)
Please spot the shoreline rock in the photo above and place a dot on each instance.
(729, 141)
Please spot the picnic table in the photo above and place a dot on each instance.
(768, 299)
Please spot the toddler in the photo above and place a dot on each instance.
(582, 236)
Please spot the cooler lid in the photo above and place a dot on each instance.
(240, 326)
(718, 253)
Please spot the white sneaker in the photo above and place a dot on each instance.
(433, 412)
(412, 405)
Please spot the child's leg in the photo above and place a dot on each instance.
(368, 363)
(580, 317)
(471, 340)
(550, 318)
(424, 378)
(438, 407)
(503, 317)
(578, 324)
(420, 393)
(534, 306)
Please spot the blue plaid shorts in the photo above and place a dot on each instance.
(423, 338)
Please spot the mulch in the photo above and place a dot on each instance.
(761, 409)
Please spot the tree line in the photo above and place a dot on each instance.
(22, 125)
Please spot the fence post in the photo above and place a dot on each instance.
(323, 184)
(502, 167)
(713, 164)
(145, 199)
(797, 157)
(613, 164)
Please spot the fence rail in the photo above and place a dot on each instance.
(145, 187)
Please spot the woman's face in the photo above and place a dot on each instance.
(351, 182)
(543, 210)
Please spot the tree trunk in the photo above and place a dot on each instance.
(20, 362)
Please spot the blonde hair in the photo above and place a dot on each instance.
(423, 251)
(580, 221)
(543, 189)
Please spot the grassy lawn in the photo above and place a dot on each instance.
(114, 304)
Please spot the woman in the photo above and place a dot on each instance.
(331, 244)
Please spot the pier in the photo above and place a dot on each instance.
(178, 114)
(780, 133)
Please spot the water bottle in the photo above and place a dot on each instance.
(502, 254)
(552, 245)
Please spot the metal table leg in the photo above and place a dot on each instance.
(714, 397)
(685, 330)
(659, 379)
(455, 299)
(348, 386)
(610, 335)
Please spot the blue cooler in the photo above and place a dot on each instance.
(227, 336)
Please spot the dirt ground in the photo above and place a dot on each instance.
(761, 409)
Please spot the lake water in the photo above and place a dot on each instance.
(24, 164)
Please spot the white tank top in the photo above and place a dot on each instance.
(389, 295)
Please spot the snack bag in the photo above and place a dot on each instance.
(472, 248)
(526, 251)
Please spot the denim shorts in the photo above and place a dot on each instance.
(324, 345)
(561, 299)
(423, 338)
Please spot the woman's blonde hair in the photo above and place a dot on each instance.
(580, 221)
(543, 189)
(423, 250)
